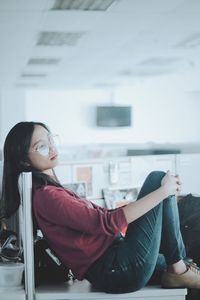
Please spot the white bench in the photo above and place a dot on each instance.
(82, 290)
(79, 289)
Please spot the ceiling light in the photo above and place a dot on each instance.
(158, 61)
(192, 41)
(43, 61)
(95, 5)
(59, 38)
(28, 75)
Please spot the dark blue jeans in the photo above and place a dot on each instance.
(128, 264)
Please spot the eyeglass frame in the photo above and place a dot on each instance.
(49, 145)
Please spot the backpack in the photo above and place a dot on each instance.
(189, 213)
(48, 267)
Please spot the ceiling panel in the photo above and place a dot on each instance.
(145, 6)
(23, 5)
(131, 40)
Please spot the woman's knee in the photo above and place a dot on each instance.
(156, 176)
(151, 183)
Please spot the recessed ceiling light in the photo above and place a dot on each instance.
(125, 73)
(28, 75)
(59, 38)
(158, 61)
(194, 92)
(43, 61)
(27, 84)
(192, 41)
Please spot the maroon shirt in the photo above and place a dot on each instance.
(76, 229)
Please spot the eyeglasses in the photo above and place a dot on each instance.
(43, 147)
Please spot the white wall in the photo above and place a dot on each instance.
(160, 115)
(12, 110)
(0, 117)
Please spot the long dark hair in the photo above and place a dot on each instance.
(16, 160)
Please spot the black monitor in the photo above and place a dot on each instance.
(113, 116)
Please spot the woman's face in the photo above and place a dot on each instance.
(43, 154)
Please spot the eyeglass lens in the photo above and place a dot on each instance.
(44, 148)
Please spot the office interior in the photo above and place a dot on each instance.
(61, 60)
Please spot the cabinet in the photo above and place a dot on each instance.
(188, 167)
(143, 165)
(13, 295)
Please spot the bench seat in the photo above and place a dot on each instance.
(82, 290)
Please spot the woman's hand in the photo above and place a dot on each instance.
(171, 184)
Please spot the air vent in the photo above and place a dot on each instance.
(193, 41)
(158, 61)
(27, 75)
(126, 73)
(44, 61)
(143, 73)
(155, 72)
(92, 5)
(29, 85)
(195, 93)
(59, 38)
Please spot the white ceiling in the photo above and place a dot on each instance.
(133, 40)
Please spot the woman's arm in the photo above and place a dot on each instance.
(170, 185)
(54, 206)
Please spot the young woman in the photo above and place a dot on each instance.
(87, 237)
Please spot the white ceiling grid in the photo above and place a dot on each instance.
(117, 43)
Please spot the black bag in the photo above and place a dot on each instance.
(48, 267)
(189, 212)
(9, 249)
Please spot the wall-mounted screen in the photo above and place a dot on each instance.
(113, 116)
